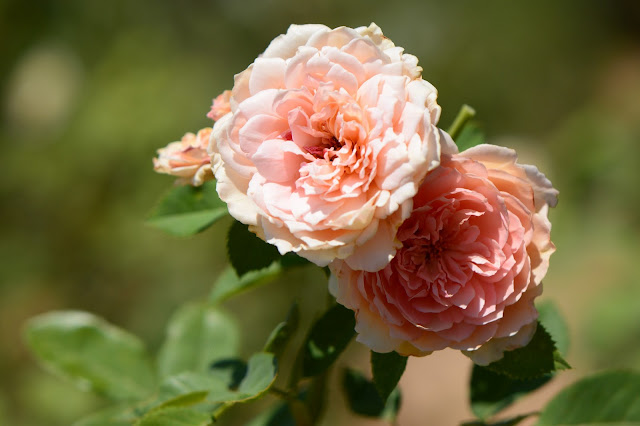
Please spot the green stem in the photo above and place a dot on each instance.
(316, 399)
(465, 114)
(279, 392)
(298, 409)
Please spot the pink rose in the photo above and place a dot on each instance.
(187, 159)
(330, 134)
(220, 106)
(474, 252)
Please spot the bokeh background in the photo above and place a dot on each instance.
(89, 89)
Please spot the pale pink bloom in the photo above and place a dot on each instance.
(187, 158)
(220, 106)
(330, 134)
(474, 252)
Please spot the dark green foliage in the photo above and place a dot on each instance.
(329, 336)
(387, 370)
(533, 361)
(292, 260)
(491, 392)
(498, 385)
(247, 252)
(364, 399)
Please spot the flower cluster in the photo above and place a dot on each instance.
(328, 146)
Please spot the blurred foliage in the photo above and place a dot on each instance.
(89, 90)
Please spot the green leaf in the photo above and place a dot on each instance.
(328, 337)
(387, 370)
(280, 336)
(197, 335)
(560, 363)
(363, 397)
(112, 416)
(553, 321)
(187, 210)
(228, 284)
(533, 361)
(231, 371)
(228, 382)
(292, 260)
(185, 400)
(187, 388)
(492, 392)
(175, 416)
(247, 252)
(261, 373)
(611, 398)
(470, 136)
(92, 353)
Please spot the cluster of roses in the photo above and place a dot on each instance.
(327, 146)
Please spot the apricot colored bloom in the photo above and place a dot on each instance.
(474, 252)
(220, 106)
(187, 158)
(330, 134)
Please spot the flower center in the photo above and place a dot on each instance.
(422, 253)
(433, 251)
(326, 144)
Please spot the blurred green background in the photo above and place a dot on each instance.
(89, 89)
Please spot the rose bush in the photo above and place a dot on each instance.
(474, 252)
(330, 133)
(187, 159)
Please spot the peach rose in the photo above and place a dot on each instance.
(474, 252)
(220, 106)
(330, 134)
(187, 159)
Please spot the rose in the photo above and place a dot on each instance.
(474, 252)
(188, 158)
(329, 136)
(220, 106)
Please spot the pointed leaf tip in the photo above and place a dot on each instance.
(387, 369)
